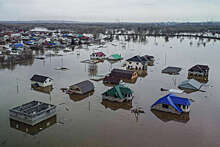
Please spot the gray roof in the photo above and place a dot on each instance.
(85, 86)
(171, 70)
(190, 84)
(39, 78)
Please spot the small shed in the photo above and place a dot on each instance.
(41, 81)
(190, 84)
(173, 104)
(171, 70)
(199, 70)
(118, 93)
(81, 88)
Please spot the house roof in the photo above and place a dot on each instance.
(173, 101)
(119, 90)
(121, 73)
(199, 68)
(136, 59)
(171, 70)
(39, 78)
(116, 56)
(100, 54)
(190, 84)
(148, 57)
(17, 45)
(85, 86)
(111, 79)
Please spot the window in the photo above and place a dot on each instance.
(137, 63)
(129, 62)
(165, 106)
(184, 107)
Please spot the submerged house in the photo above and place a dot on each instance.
(173, 104)
(150, 59)
(124, 74)
(111, 80)
(171, 70)
(137, 63)
(98, 56)
(33, 130)
(81, 88)
(199, 72)
(118, 93)
(115, 57)
(33, 112)
(190, 84)
(41, 81)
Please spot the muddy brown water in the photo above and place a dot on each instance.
(90, 122)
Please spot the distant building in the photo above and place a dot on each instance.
(98, 56)
(41, 81)
(111, 80)
(115, 57)
(172, 104)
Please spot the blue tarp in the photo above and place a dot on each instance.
(17, 45)
(173, 101)
(52, 43)
(32, 39)
(28, 42)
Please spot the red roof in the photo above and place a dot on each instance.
(100, 54)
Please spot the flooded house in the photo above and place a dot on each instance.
(118, 93)
(115, 57)
(33, 130)
(111, 80)
(150, 59)
(199, 72)
(171, 70)
(32, 112)
(79, 97)
(41, 81)
(116, 106)
(97, 56)
(81, 88)
(136, 63)
(190, 84)
(172, 104)
(124, 74)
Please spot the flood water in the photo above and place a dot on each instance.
(90, 122)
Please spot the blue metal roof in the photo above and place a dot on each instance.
(17, 45)
(173, 101)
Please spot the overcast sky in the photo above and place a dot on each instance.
(111, 10)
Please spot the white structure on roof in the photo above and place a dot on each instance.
(190, 84)
(41, 81)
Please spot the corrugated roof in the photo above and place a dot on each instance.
(190, 84)
(85, 86)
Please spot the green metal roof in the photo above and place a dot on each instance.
(116, 56)
(119, 91)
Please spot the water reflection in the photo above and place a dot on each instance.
(92, 69)
(166, 117)
(116, 105)
(33, 130)
(12, 65)
(46, 90)
(80, 97)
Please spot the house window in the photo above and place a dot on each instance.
(129, 62)
(137, 63)
(165, 106)
(184, 107)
